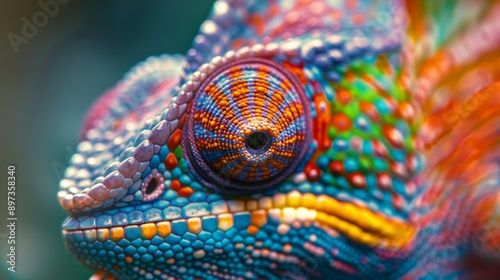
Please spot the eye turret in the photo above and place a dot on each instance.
(248, 126)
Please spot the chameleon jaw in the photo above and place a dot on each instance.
(284, 210)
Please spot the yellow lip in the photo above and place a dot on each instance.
(356, 222)
(293, 209)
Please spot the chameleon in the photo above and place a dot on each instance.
(300, 139)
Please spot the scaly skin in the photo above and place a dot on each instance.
(290, 144)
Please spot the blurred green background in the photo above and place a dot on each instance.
(46, 88)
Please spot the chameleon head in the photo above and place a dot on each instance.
(266, 162)
(250, 162)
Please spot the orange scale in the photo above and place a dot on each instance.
(406, 111)
(369, 110)
(234, 70)
(350, 77)
(264, 69)
(252, 230)
(259, 23)
(175, 185)
(185, 192)
(336, 167)
(312, 172)
(238, 43)
(358, 19)
(344, 96)
(117, 124)
(170, 162)
(394, 136)
(260, 88)
(341, 122)
(262, 79)
(175, 140)
(357, 180)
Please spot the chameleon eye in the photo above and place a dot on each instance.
(257, 141)
(248, 126)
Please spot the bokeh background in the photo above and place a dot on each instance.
(46, 88)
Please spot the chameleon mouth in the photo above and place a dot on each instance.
(284, 210)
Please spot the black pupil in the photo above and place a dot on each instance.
(151, 186)
(257, 140)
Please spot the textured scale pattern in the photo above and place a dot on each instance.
(307, 139)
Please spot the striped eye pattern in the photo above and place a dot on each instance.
(248, 126)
